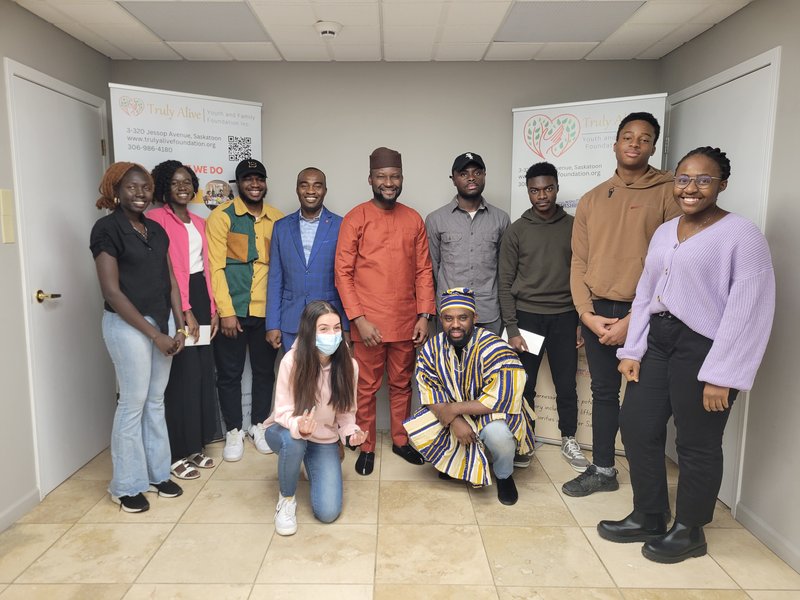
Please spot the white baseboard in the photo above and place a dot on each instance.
(19, 508)
(773, 539)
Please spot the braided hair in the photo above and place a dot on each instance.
(162, 179)
(715, 154)
(110, 181)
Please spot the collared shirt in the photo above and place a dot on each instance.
(308, 231)
(238, 252)
(141, 262)
(464, 251)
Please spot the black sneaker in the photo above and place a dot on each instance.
(589, 482)
(365, 463)
(522, 461)
(507, 491)
(166, 489)
(408, 454)
(132, 504)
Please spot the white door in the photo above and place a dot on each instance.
(56, 145)
(735, 112)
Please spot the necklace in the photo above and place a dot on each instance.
(141, 233)
(697, 228)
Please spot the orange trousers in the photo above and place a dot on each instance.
(398, 359)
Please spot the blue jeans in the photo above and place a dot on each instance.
(502, 445)
(139, 442)
(323, 466)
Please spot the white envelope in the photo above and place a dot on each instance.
(533, 340)
(204, 338)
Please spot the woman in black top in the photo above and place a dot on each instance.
(130, 253)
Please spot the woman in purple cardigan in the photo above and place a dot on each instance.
(190, 399)
(699, 327)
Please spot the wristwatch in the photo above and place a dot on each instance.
(428, 316)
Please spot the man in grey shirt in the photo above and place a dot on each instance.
(464, 237)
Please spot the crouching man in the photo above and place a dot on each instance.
(470, 386)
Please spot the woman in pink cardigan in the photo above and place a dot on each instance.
(190, 399)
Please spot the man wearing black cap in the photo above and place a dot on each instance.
(239, 233)
(464, 237)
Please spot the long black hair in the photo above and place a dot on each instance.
(162, 180)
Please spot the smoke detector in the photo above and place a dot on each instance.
(327, 29)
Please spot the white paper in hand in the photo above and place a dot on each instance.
(203, 339)
(534, 341)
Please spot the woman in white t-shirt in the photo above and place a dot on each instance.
(190, 400)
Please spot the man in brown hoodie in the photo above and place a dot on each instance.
(613, 226)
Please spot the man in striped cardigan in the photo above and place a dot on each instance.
(470, 386)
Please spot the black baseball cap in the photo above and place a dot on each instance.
(462, 160)
(250, 167)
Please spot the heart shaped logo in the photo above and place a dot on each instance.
(553, 136)
(132, 107)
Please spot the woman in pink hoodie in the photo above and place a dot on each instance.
(190, 399)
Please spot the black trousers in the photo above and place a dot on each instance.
(190, 400)
(229, 355)
(559, 333)
(606, 383)
(667, 386)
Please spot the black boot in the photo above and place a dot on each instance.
(680, 542)
(636, 527)
(507, 490)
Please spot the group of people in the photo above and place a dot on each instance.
(651, 276)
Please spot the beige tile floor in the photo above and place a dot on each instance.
(403, 534)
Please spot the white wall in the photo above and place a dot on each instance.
(333, 115)
(31, 41)
(770, 486)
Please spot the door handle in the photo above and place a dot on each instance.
(42, 296)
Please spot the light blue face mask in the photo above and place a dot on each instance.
(327, 343)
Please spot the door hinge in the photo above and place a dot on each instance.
(102, 147)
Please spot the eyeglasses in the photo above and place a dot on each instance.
(701, 181)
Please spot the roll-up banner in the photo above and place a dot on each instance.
(578, 138)
(209, 134)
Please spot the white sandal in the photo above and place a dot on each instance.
(199, 459)
(183, 470)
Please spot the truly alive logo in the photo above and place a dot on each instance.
(131, 106)
(553, 136)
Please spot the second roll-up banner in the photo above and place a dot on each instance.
(578, 138)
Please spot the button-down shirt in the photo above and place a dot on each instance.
(238, 252)
(464, 252)
(308, 231)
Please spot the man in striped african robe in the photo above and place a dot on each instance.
(470, 385)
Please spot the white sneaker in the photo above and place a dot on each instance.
(256, 435)
(234, 445)
(285, 519)
(572, 453)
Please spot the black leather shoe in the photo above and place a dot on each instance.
(680, 542)
(636, 527)
(507, 491)
(365, 463)
(408, 454)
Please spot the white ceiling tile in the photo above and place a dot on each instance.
(565, 51)
(252, 50)
(284, 14)
(366, 52)
(305, 35)
(424, 14)
(641, 33)
(686, 32)
(349, 15)
(407, 52)
(459, 51)
(358, 36)
(132, 32)
(470, 13)
(512, 51)
(46, 11)
(411, 36)
(660, 49)
(466, 34)
(606, 51)
(200, 50)
(722, 10)
(668, 12)
(304, 52)
(91, 39)
(149, 50)
(89, 12)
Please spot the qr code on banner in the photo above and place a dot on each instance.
(239, 147)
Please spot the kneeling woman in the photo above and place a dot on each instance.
(699, 327)
(315, 407)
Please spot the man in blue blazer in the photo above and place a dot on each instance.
(301, 260)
